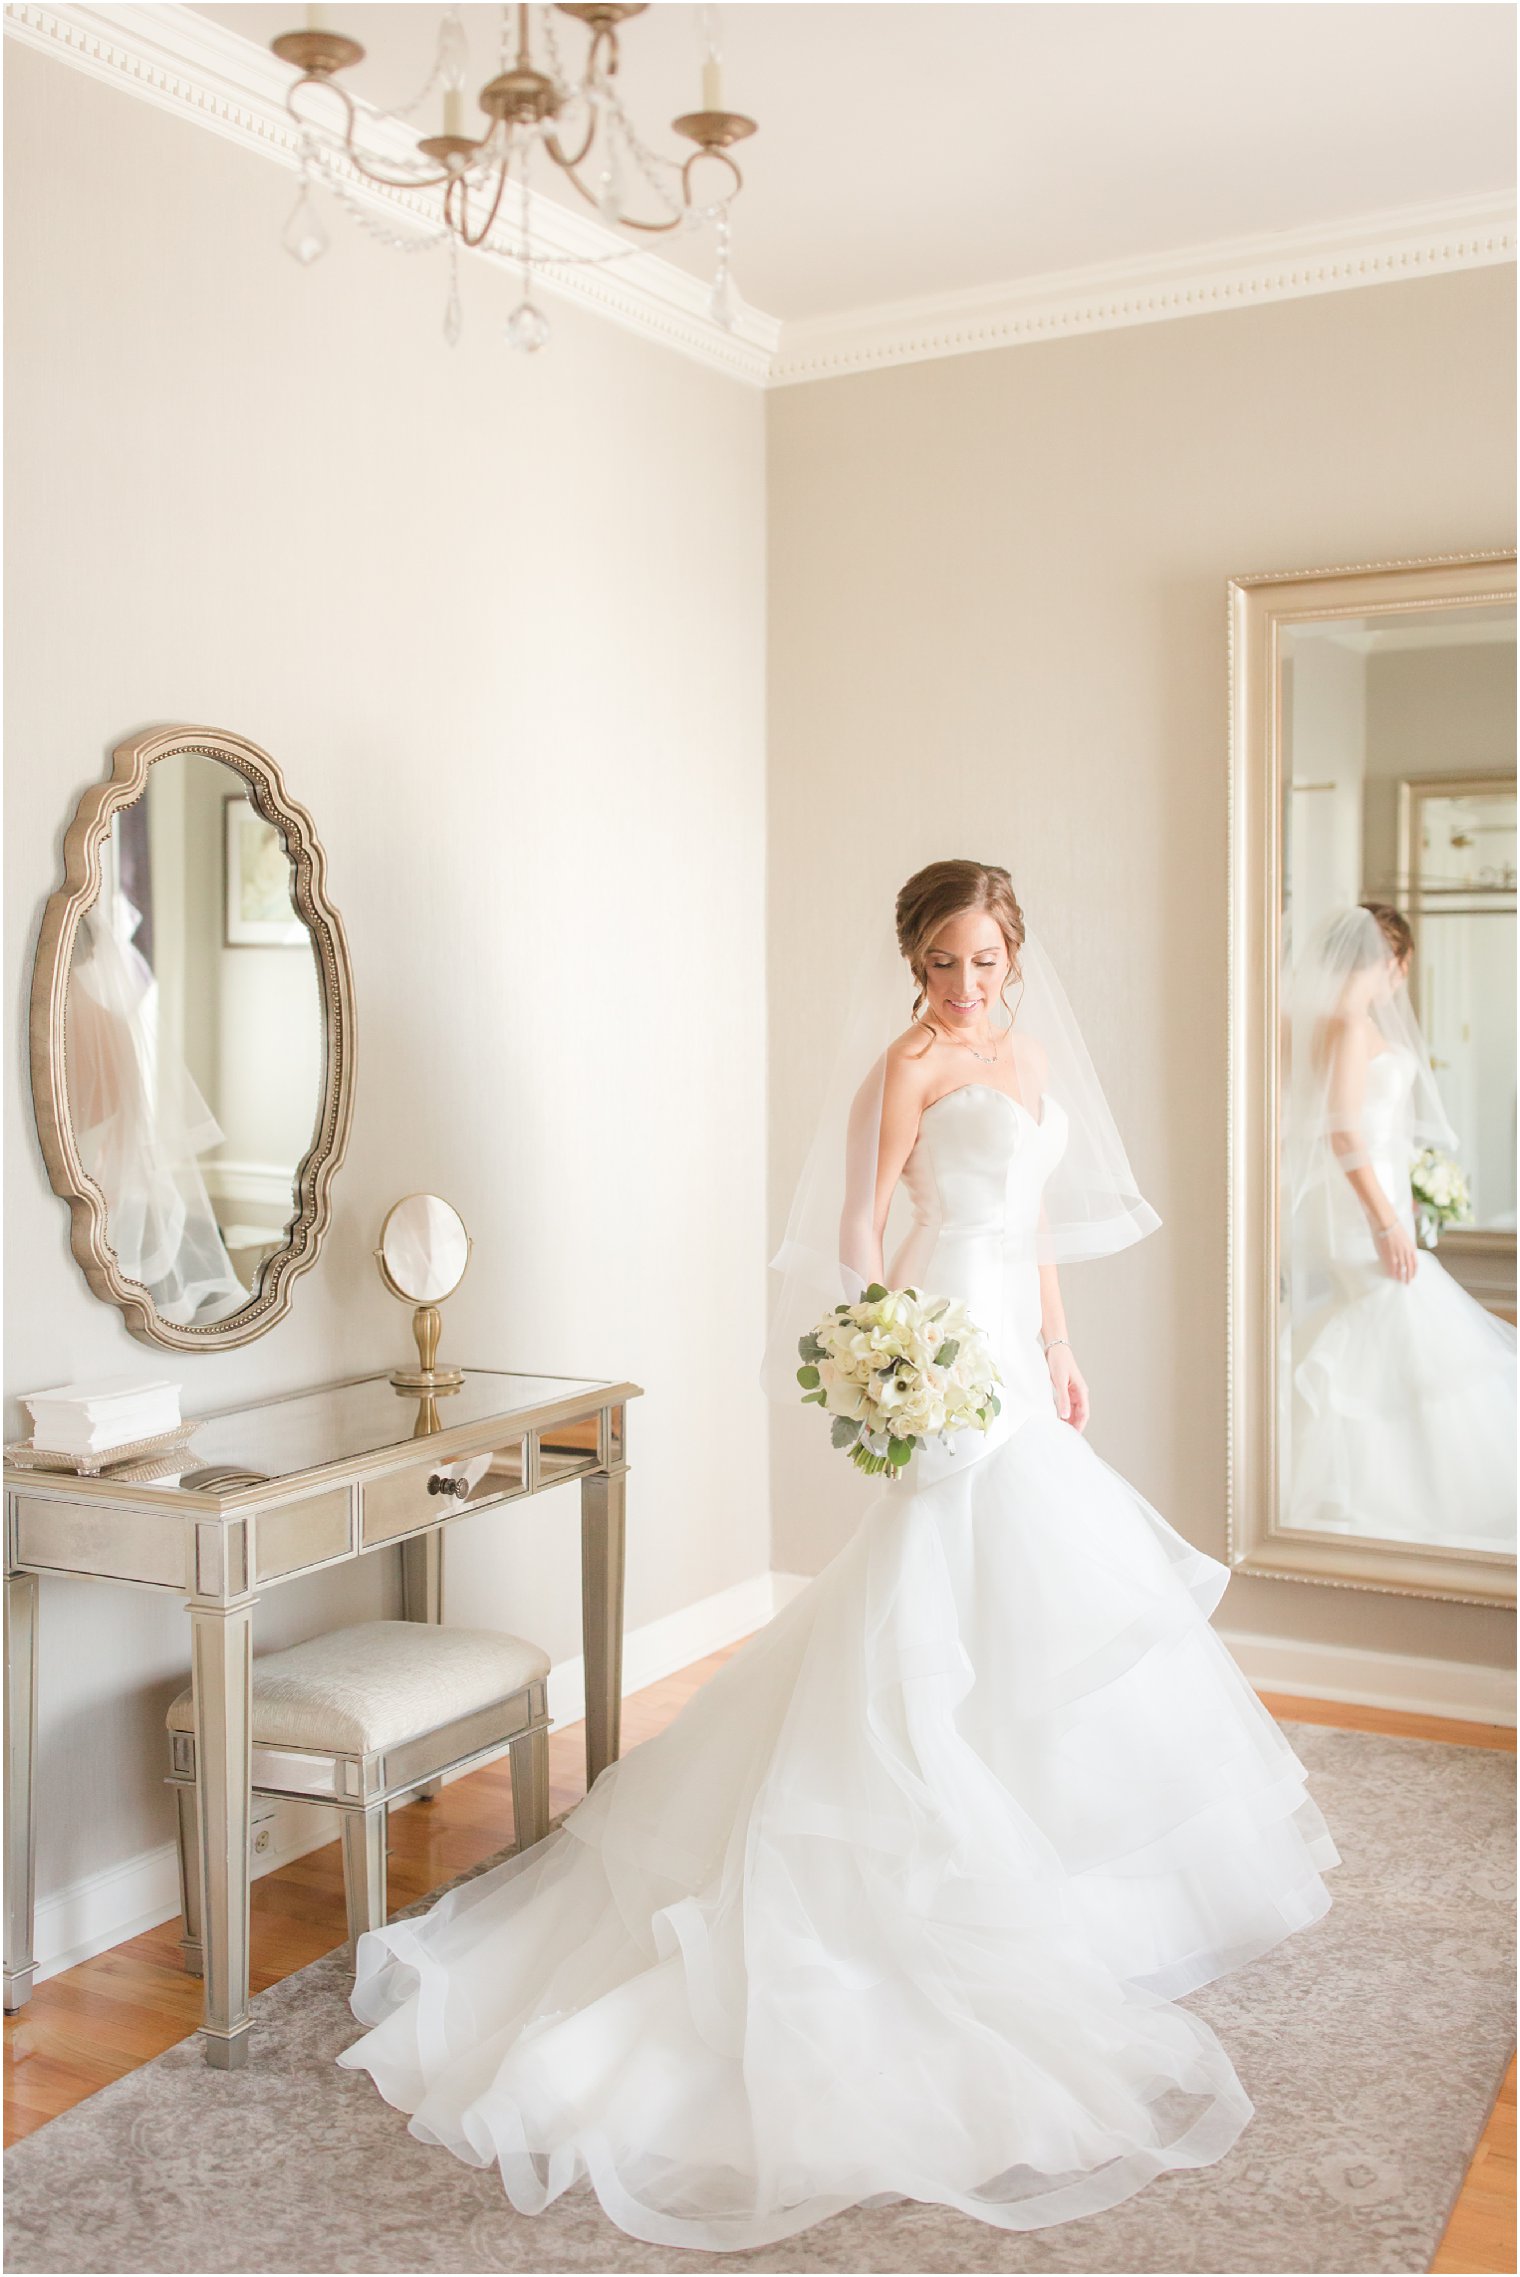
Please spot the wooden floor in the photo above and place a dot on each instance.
(109, 2015)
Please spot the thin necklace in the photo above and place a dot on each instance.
(988, 1059)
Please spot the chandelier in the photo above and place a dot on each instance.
(534, 111)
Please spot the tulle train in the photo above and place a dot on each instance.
(897, 1906)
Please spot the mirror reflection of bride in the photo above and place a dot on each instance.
(1403, 1386)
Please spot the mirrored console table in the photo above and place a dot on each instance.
(258, 1495)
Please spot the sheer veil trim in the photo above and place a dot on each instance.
(1092, 1202)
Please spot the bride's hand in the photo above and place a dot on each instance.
(1397, 1251)
(1072, 1402)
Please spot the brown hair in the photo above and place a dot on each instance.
(943, 890)
(1394, 927)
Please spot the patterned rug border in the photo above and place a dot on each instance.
(1383, 2195)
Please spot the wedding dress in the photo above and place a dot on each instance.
(900, 1904)
(1403, 1419)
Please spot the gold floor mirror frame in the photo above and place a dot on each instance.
(82, 868)
(1261, 609)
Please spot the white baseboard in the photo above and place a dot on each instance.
(1363, 1679)
(103, 1909)
(661, 1647)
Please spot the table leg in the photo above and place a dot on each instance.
(222, 1673)
(20, 1765)
(603, 1498)
(422, 1600)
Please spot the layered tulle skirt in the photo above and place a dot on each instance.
(1403, 1419)
(899, 1904)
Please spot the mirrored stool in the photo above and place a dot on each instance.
(364, 1718)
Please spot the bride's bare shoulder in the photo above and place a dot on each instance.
(913, 1045)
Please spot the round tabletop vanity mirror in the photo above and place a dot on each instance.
(192, 1038)
(423, 1251)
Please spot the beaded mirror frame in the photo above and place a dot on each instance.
(1262, 608)
(83, 845)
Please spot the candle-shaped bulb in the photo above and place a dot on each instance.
(453, 110)
(712, 84)
(317, 20)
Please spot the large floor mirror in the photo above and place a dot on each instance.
(1372, 1078)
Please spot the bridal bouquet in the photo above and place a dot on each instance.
(1441, 1192)
(895, 1369)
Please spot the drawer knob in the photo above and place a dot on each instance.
(438, 1484)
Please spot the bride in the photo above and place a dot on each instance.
(1402, 1384)
(900, 1903)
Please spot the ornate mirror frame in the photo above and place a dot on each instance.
(82, 856)
(1261, 608)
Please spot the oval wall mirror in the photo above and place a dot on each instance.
(192, 1038)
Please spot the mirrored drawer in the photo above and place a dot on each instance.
(427, 1491)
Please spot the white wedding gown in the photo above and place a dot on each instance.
(899, 1905)
(1403, 1412)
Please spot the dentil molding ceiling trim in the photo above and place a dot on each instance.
(193, 66)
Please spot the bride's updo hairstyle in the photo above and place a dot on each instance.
(943, 890)
(1395, 928)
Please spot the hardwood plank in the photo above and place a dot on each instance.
(100, 2020)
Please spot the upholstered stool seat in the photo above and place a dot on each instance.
(361, 1718)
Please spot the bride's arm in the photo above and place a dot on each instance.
(883, 1127)
(1073, 1403)
(902, 1103)
(1348, 1092)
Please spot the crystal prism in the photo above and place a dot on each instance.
(304, 238)
(527, 328)
(721, 306)
(453, 321)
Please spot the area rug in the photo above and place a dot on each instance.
(1372, 2045)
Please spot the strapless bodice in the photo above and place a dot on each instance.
(1388, 1079)
(974, 1181)
(980, 1162)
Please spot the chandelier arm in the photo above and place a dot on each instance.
(551, 144)
(348, 147)
(462, 226)
(318, 137)
(723, 159)
(625, 221)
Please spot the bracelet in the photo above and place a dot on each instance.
(1381, 1232)
(1054, 1341)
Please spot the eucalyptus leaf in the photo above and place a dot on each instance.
(808, 1378)
(947, 1352)
(845, 1430)
(875, 1293)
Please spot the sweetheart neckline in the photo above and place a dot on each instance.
(1038, 1121)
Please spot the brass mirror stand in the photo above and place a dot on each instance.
(427, 1376)
(424, 1249)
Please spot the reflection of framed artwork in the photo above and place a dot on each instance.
(258, 912)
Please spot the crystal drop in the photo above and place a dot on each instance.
(453, 321)
(610, 203)
(527, 328)
(720, 306)
(304, 238)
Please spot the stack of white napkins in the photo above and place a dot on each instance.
(113, 1411)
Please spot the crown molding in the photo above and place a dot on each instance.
(192, 66)
(1378, 249)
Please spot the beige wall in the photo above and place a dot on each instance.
(998, 630)
(501, 623)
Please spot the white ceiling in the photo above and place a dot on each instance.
(908, 150)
